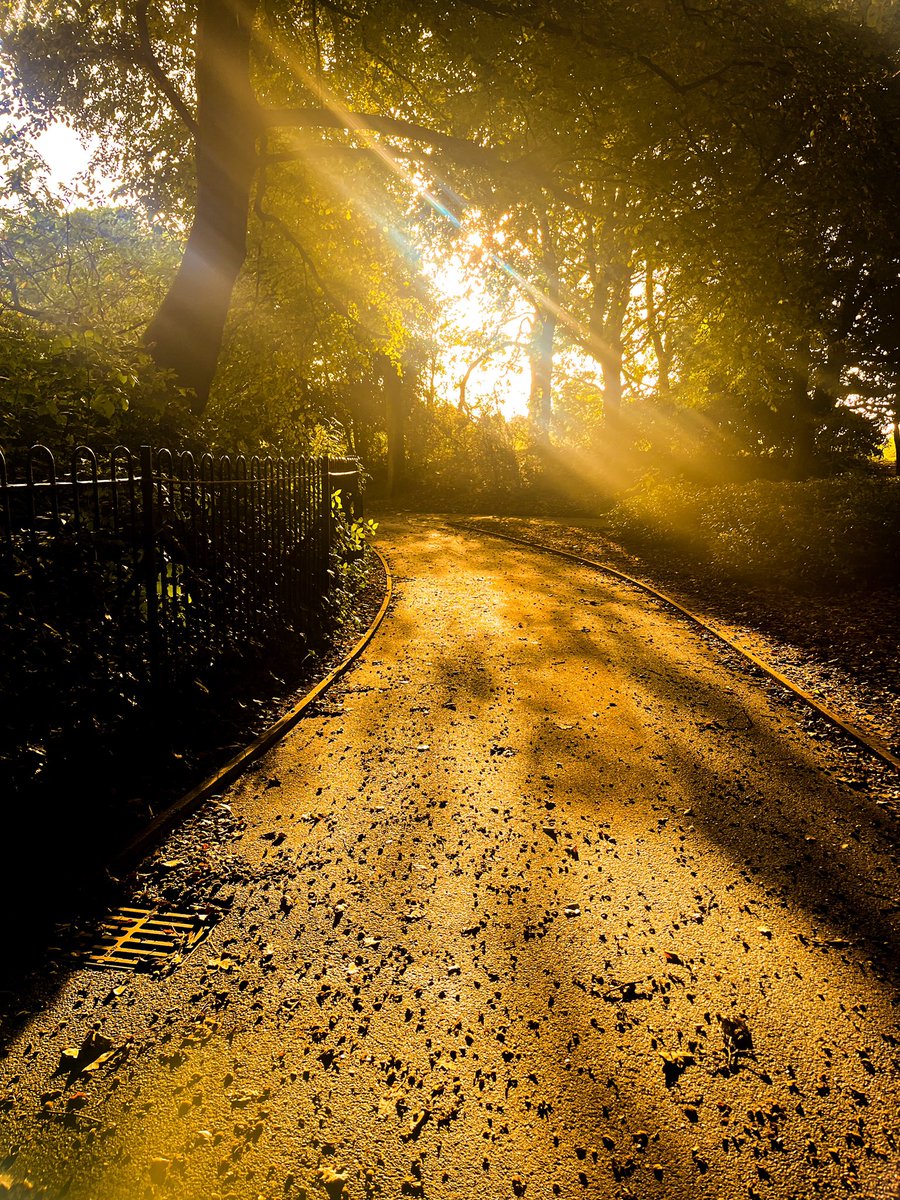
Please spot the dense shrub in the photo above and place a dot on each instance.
(830, 533)
(66, 389)
(76, 698)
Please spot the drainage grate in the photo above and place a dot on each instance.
(144, 937)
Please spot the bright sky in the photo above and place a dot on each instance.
(473, 322)
(501, 380)
(66, 156)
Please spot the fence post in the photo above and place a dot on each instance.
(358, 512)
(150, 571)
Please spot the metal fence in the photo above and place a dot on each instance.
(169, 562)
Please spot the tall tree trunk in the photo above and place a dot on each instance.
(396, 406)
(803, 449)
(657, 339)
(540, 399)
(611, 370)
(607, 321)
(185, 335)
(608, 260)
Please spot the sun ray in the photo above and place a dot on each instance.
(588, 339)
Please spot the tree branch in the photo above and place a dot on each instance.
(559, 28)
(331, 299)
(476, 363)
(683, 88)
(469, 153)
(163, 83)
(462, 151)
(47, 317)
(316, 150)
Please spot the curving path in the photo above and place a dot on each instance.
(550, 896)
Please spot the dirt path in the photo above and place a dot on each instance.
(549, 898)
(842, 647)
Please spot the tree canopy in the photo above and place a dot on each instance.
(687, 212)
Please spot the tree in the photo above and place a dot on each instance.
(658, 141)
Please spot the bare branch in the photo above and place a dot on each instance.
(493, 349)
(469, 153)
(683, 88)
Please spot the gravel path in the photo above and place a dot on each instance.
(842, 647)
(550, 896)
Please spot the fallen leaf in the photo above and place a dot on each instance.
(222, 964)
(159, 1169)
(333, 1181)
(737, 1034)
(94, 1050)
(673, 1065)
(417, 1120)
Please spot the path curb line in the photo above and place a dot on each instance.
(226, 774)
(867, 741)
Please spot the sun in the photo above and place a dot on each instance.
(68, 156)
(484, 361)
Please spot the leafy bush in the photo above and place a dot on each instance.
(348, 566)
(69, 388)
(78, 701)
(826, 533)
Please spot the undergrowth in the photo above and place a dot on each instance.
(839, 533)
(89, 753)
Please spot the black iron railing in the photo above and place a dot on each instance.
(166, 563)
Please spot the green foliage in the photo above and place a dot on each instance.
(61, 657)
(325, 296)
(75, 659)
(825, 533)
(459, 458)
(350, 534)
(349, 563)
(84, 268)
(68, 388)
(743, 159)
(74, 288)
(87, 64)
(847, 436)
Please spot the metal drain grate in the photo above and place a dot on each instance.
(144, 937)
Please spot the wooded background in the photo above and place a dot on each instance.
(683, 217)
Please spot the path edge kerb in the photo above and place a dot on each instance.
(165, 821)
(867, 741)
